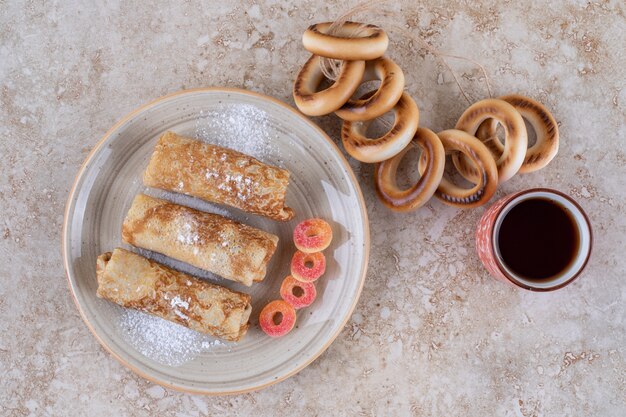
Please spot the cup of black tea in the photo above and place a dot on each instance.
(538, 239)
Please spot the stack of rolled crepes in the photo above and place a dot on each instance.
(208, 241)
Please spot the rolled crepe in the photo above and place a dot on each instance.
(208, 241)
(133, 281)
(218, 175)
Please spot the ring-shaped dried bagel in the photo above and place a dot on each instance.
(419, 193)
(453, 195)
(546, 130)
(389, 92)
(352, 41)
(388, 145)
(516, 137)
(318, 103)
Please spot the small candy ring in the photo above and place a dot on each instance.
(351, 41)
(297, 293)
(479, 155)
(516, 142)
(277, 318)
(312, 235)
(318, 103)
(546, 129)
(391, 143)
(416, 196)
(308, 267)
(389, 92)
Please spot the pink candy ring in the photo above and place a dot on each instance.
(297, 293)
(312, 235)
(307, 267)
(277, 318)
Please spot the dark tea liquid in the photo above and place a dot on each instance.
(538, 238)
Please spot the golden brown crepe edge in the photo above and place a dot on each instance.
(101, 265)
(129, 229)
(150, 178)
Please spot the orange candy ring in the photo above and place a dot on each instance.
(277, 318)
(308, 267)
(297, 293)
(312, 235)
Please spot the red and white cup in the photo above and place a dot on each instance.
(487, 238)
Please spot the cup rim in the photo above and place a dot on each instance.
(498, 262)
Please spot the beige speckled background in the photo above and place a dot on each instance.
(433, 335)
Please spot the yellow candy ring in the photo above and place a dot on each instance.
(352, 41)
(318, 103)
(516, 142)
(388, 145)
(453, 195)
(417, 195)
(389, 92)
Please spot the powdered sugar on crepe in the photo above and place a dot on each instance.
(162, 341)
(188, 233)
(242, 127)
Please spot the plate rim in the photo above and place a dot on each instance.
(65, 241)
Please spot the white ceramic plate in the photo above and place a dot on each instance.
(322, 185)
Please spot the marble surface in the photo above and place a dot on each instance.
(433, 334)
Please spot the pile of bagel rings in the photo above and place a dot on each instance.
(474, 146)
